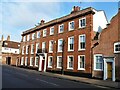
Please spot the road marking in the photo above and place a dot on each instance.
(47, 82)
(102, 86)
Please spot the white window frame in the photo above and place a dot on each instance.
(26, 60)
(95, 62)
(22, 60)
(80, 22)
(51, 45)
(59, 45)
(69, 43)
(49, 61)
(23, 49)
(69, 24)
(59, 28)
(79, 62)
(33, 36)
(79, 47)
(68, 62)
(37, 46)
(31, 61)
(38, 36)
(115, 48)
(43, 44)
(36, 62)
(58, 62)
(44, 32)
(32, 47)
(24, 38)
(28, 37)
(52, 32)
(26, 49)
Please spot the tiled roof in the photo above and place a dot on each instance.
(11, 44)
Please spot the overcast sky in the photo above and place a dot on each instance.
(17, 16)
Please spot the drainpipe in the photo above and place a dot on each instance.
(62, 70)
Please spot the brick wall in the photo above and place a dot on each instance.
(106, 41)
(76, 32)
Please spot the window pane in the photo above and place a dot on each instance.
(99, 62)
(37, 60)
(50, 61)
(60, 62)
(70, 62)
(60, 42)
(61, 28)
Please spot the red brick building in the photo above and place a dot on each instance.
(65, 42)
(106, 53)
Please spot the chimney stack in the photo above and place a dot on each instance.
(42, 22)
(2, 38)
(75, 9)
(8, 38)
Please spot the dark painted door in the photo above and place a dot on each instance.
(8, 60)
(43, 62)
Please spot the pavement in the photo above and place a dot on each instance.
(101, 83)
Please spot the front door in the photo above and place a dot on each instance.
(109, 70)
(8, 60)
(43, 62)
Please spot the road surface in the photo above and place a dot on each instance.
(15, 77)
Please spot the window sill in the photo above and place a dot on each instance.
(49, 66)
(51, 34)
(36, 65)
(98, 69)
(59, 67)
(82, 27)
(81, 68)
(71, 30)
(70, 50)
(50, 51)
(81, 49)
(59, 51)
(60, 32)
(116, 52)
(70, 68)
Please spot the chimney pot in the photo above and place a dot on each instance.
(8, 38)
(2, 38)
(42, 22)
(75, 9)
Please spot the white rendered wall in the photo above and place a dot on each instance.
(10, 50)
(99, 21)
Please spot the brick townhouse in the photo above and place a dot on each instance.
(64, 43)
(106, 52)
(9, 51)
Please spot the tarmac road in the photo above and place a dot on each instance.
(14, 77)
